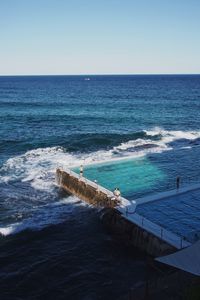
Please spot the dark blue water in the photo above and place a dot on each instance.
(53, 245)
(89, 115)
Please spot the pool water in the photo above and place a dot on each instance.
(139, 177)
(134, 177)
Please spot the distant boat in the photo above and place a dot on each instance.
(87, 78)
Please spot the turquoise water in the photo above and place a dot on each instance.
(132, 176)
(51, 121)
(47, 121)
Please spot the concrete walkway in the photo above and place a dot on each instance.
(128, 210)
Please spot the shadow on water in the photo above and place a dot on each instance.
(73, 260)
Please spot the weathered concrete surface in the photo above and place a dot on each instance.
(82, 189)
(111, 217)
(135, 235)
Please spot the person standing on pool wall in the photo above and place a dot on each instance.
(117, 193)
(81, 171)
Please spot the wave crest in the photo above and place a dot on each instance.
(36, 169)
(37, 166)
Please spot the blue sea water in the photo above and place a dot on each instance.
(152, 122)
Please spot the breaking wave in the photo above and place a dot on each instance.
(49, 214)
(36, 170)
(37, 167)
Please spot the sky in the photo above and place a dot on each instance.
(39, 37)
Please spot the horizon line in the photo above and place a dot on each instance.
(98, 74)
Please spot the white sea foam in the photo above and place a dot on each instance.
(44, 216)
(172, 135)
(37, 168)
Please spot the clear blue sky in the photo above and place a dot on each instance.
(99, 36)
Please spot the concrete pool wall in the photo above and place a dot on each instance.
(111, 216)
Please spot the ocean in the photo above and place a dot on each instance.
(137, 132)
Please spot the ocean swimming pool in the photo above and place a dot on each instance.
(63, 120)
(179, 214)
(134, 177)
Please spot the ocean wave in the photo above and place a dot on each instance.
(171, 135)
(92, 142)
(38, 166)
(31, 176)
(49, 214)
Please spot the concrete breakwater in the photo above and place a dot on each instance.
(112, 215)
(84, 189)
